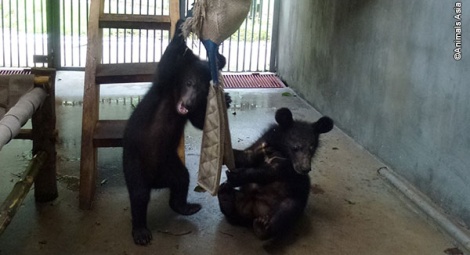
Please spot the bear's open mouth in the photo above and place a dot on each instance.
(181, 108)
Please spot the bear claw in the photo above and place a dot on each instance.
(261, 227)
(142, 236)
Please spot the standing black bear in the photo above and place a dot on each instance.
(150, 160)
(272, 176)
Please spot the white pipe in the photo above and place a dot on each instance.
(428, 208)
(19, 114)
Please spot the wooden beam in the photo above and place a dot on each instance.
(109, 133)
(125, 72)
(174, 15)
(135, 21)
(10, 206)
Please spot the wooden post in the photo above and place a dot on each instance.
(88, 158)
(174, 15)
(10, 206)
(44, 139)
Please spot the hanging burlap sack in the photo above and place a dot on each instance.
(216, 145)
(216, 20)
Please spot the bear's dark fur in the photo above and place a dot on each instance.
(150, 160)
(269, 188)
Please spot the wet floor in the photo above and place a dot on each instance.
(351, 209)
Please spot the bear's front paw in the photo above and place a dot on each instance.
(234, 177)
(224, 187)
(261, 227)
(228, 99)
(142, 236)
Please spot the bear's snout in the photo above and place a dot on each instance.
(302, 168)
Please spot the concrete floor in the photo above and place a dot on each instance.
(351, 209)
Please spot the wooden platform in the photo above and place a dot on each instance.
(125, 73)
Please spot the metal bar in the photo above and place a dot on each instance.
(244, 43)
(147, 35)
(63, 33)
(132, 33)
(154, 45)
(229, 53)
(117, 36)
(253, 8)
(154, 33)
(43, 43)
(53, 30)
(275, 36)
(3, 37)
(238, 48)
(34, 28)
(161, 31)
(11, 44)
(426, 206)
(87, 15)
(71, 32)
(125, 32)
(259, 32)
(79, 33)
(182, 4)
(265, 67)
(17, 32)
(117, 45)
(140, 30)
(109, 37)
(26, 33)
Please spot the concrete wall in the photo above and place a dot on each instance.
(384, 70)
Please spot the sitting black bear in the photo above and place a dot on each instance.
(269, 188)
(153, 132)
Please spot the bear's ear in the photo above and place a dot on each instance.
(284, 117)
(323, 125)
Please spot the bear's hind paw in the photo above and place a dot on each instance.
(142, 236)
(186, 209)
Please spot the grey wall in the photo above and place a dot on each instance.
(384, 70)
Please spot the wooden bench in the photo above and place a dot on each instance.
(42, 168)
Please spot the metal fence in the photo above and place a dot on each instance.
(23, 32)
(25, 41)
(135, 45)
(249, 48)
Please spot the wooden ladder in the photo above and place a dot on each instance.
(108, 133)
